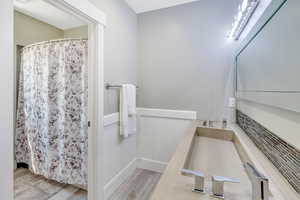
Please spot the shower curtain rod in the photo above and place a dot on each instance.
(57, 40)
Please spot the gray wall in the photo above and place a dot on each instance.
(185, 57)
(120, 66)
(78, 32)
(120, 48)
(28, 30)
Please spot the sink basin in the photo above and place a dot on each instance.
(215, 153)
(218, 152)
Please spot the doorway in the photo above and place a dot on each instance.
(95, 21)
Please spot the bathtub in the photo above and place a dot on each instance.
(217, 152)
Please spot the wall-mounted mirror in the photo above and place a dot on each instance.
(268, 65)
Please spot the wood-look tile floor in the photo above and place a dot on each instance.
(137, 187)
(28, 186)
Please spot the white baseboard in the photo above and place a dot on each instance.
(117, 180)
(152, 165)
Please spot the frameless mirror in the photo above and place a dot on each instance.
(268, 65)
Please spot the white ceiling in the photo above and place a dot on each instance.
(140, 6)
(47, 13)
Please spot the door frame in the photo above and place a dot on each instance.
(96, 20)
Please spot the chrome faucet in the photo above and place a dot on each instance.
(199, 179)
(218, 185)
(260, 184)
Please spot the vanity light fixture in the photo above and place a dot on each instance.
(246, 10)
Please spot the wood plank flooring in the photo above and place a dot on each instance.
(28, 186)
(137, 187)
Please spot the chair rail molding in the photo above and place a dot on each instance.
(148, 112)
(163, 113)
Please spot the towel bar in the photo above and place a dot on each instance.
(109, 86)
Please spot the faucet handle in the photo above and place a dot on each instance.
(218, 185)
(192, 172)
(225, 179)
(199, 179)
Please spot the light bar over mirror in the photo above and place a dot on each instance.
(245, 11)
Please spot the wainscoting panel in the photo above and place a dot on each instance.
(284, 156)
(159, 133)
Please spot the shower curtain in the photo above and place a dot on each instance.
(51, 128)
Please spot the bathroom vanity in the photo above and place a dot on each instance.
(218, 152)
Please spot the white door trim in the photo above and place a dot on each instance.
(83, 9)
(7, 100)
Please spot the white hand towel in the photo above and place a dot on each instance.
(127, 110)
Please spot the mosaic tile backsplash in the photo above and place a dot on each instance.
(285, 157)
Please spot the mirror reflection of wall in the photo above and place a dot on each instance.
(268, 67)
(31, 26)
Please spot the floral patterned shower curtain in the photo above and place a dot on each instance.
(51, 129)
